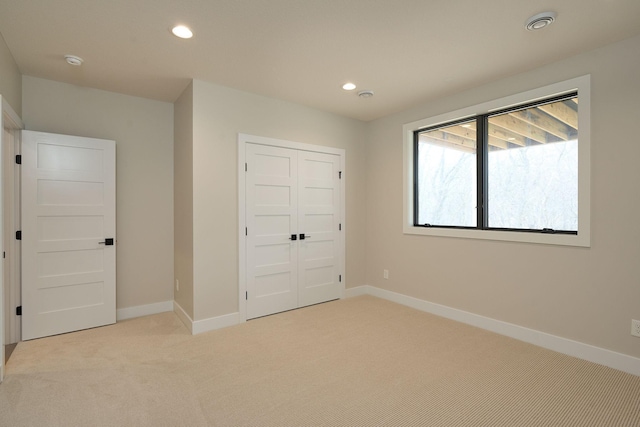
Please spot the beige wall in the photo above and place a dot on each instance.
(10, 78)
(183, 198)
(584, 294)
(219, 114)
(143, 131)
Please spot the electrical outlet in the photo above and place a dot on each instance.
(385, 274)
(177, 285)
(635, 328)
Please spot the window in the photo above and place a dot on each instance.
(518, 170)
(446, 176)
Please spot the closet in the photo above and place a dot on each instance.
(293, 229)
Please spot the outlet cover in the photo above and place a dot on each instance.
(635, 328)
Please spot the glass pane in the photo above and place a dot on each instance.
(533, 168)
(446, 176)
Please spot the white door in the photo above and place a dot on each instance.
(272, 255)
(68, 233)
(319, 223)
(293, 224)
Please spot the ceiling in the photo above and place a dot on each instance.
(406, 51)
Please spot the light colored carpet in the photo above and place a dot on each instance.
(356, 362)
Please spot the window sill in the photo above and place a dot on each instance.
(580, 240)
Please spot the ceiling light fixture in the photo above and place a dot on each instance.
(182, 31)
(365, 93)
(348, 86)
(73, 60)
(540, 21)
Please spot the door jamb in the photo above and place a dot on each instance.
(9, 120)
(11, 246)
(244, 139)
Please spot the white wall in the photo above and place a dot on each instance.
(219, 114)
(183, 198)
(143, 131)
(10, 78)
(584, 294)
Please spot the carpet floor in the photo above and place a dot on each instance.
(356, 362)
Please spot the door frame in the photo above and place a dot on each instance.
(243, 140)
(11, 121)
(11, 246)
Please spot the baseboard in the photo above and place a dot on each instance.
(143, 310)
(566, 346)
(357, 291)
(205, 325)
(213, 323)
(183, 316)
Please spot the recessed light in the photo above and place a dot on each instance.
(182, 31)
(73, 60)
(466, 125)
(348, 86)
(540, 21)
(365, 93)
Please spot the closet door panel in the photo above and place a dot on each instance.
(319, 223)
(271, 218)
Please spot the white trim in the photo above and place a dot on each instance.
(343, 221)
(273, 142)
(183, 316)
(200, 326)
(583, 238)
(244, 139)
(357, 291)
(213, 323)
(10, 120)
(143, 310)
(11, 212)
(566, 346)
(14, 121)
(242, 223)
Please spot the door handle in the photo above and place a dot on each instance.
(303, 236)
(293, 237)
(107, 242)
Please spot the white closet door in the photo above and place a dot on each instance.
(68, 234)
(271, 206)
(292, 206)
(319, 222)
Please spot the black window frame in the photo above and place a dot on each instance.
(482, 173)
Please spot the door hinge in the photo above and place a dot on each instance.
(340, 175)
(19, 235)
(246, 231)
(340, 278)
(245, 167)
(4, 254)
(19, 310)
(18, 159)
(339, 227)
(246, 295)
